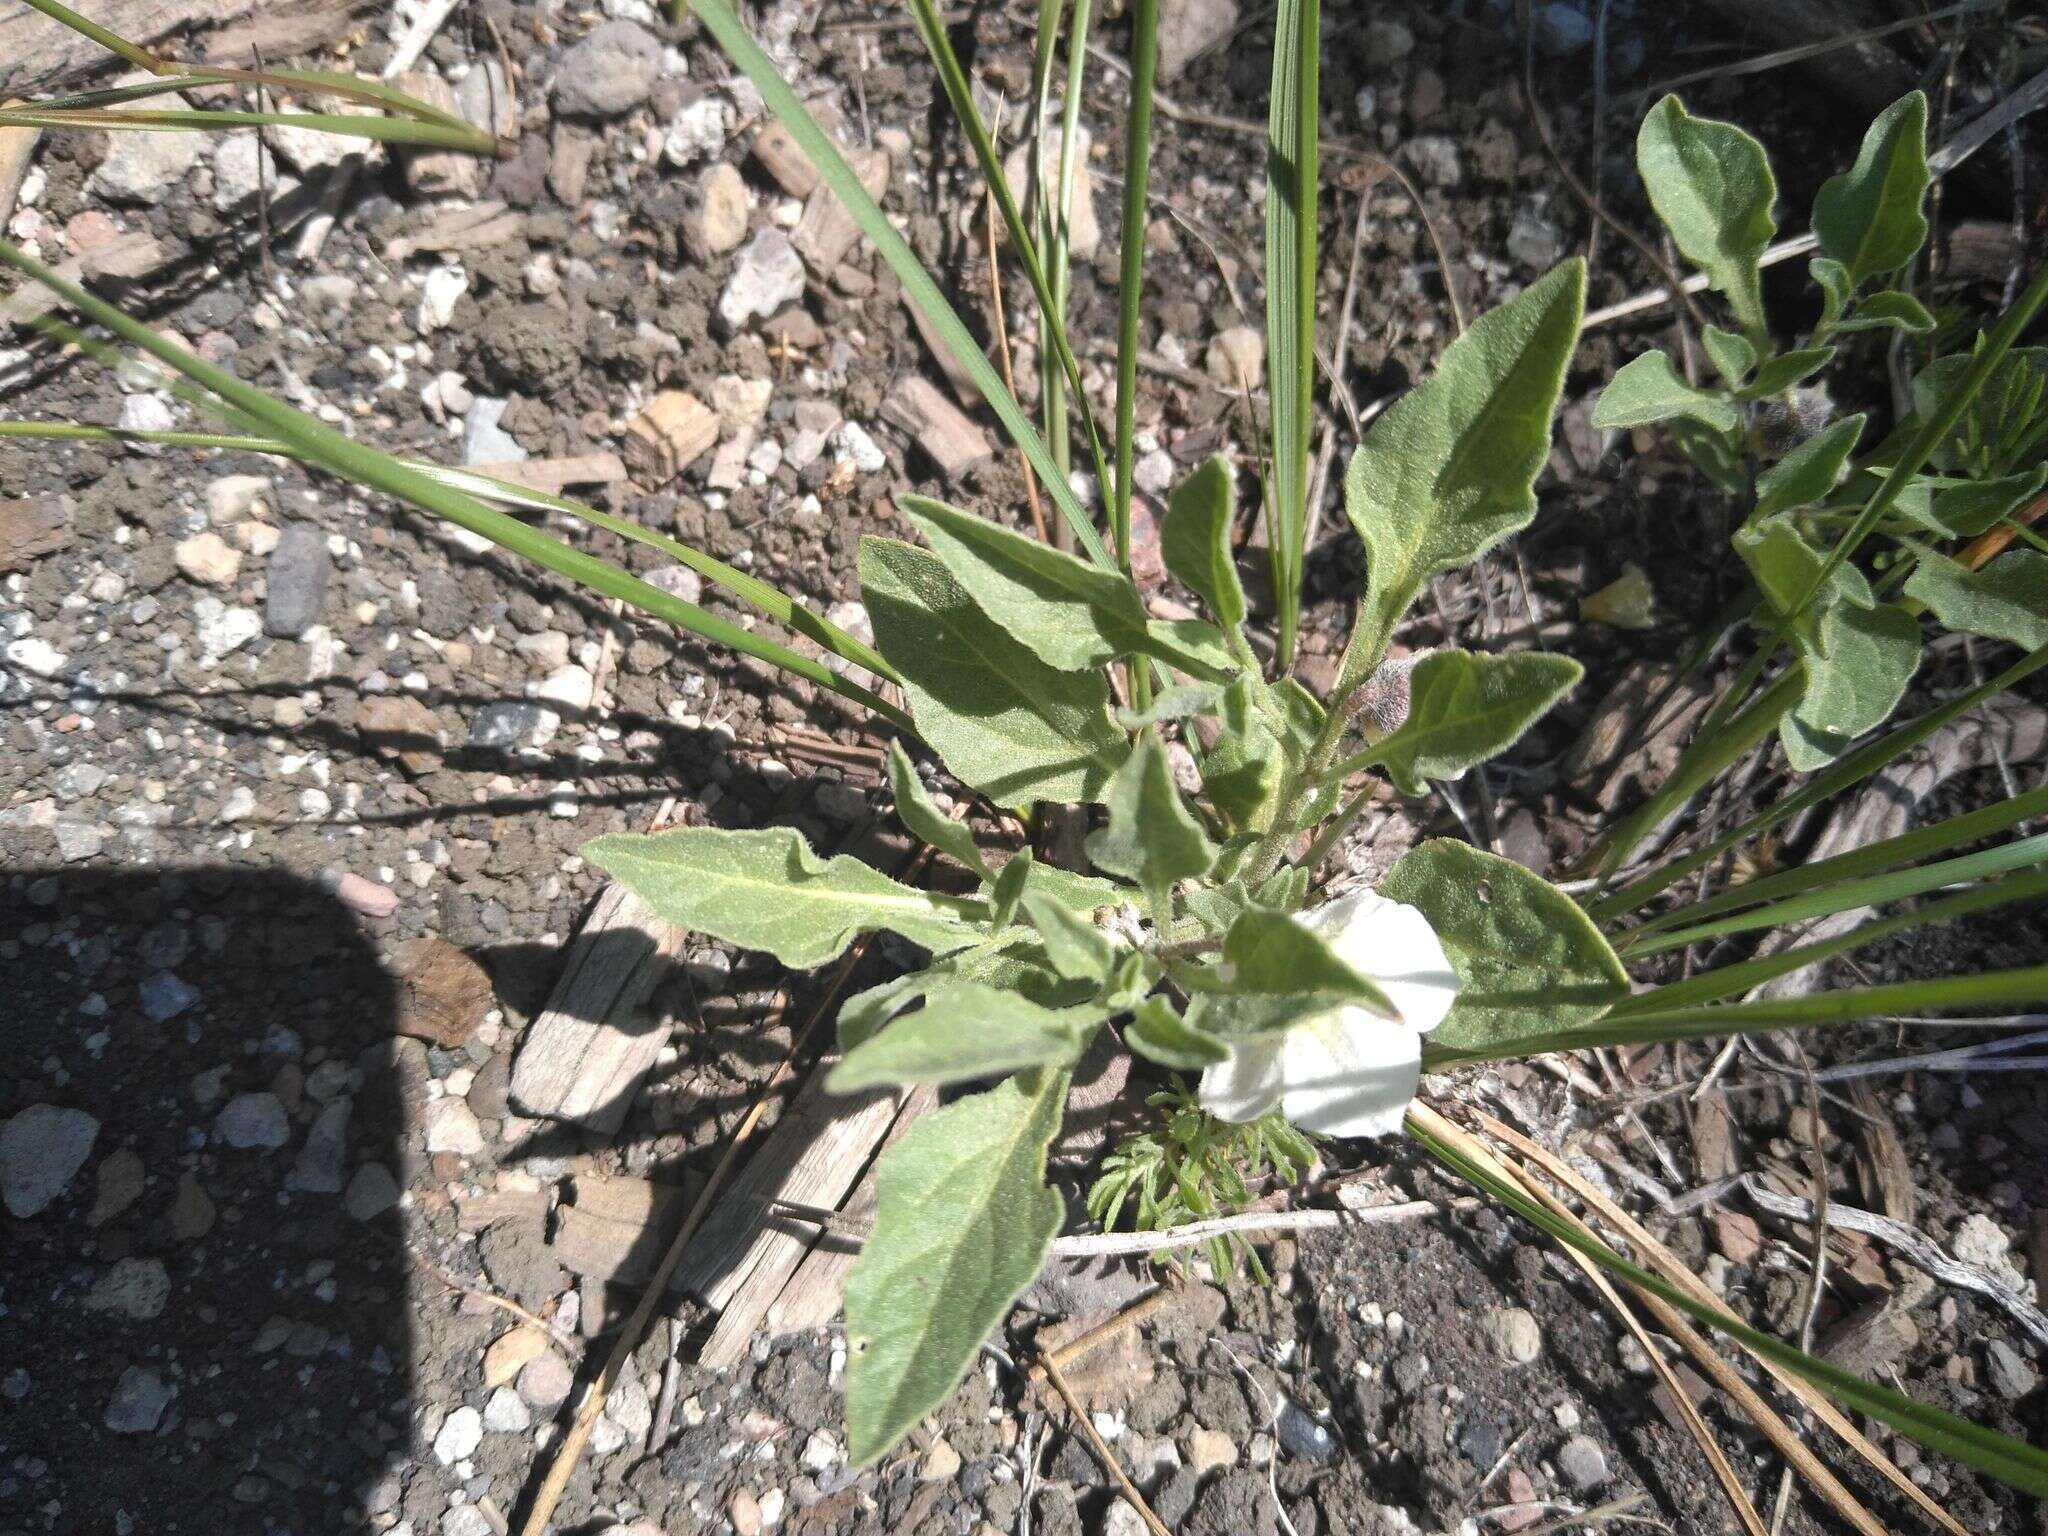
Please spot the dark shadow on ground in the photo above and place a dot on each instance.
(197, 1335)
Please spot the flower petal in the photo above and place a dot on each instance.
(1350, 1073)
(1249, 1084)
(1392, 943)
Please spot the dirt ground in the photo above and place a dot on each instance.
(294, 782)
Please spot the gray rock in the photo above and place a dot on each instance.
(131, 1288)
(511, 725)
(142, 167)
(506, 1412)
(1071, 1287)
(545, 1380)
(1387, 42)
(296, 578)
(1583, 1463)
(253, 1121)
(609, 73)
(2012, 1376)
(164, 996)
(1514, 1333)
(321, 1160)
(1534, 241)
(41, 1150)
(140, 1396)
(78, 840)
(460, 1434)
(1176, 1496)
(767, 274)
(371, 1193)
(1436, 161)
(1189, 28)
(466, 1520)
(222, 630)
(483, 440)
(1561, 28)
(1303, 1434)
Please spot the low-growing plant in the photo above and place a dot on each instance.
(1200, 936)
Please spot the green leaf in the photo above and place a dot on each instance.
(1293, 137)
(1196, 647)
(926, 821)
(1070, 614)
(1717, 455)
(1275, 954)
(1007, 889)
(1530, 960)
(1002, 720)
(1832, 278)
(1890, 308)
(1974, 506)
(963, 1221)
(1711, 185)
(1176, 703)
(765, 889)
(1013, 963)
(1810, 471)
(1077, 948)
(1781, 372)
(1152, 837)
(1870, 218)
(1857, 669)
(2006, 600)
(1449, 470)
(1465, 709)
(1159, 1034)
(1648, 389)
(1194, 539)
(1731, 355)
(964, 1030)
(1075, 892)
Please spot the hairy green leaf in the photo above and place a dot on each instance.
(964, 1030)
(1648, 389)
(1159, 1034)
(1464, 710)
(1194, 539)
(1832, 278)
(1152, 837)
(1016, 962)
(1781, 372)
(1870, 219)
(963, 1221)
(1810, 471)
(1732, 355)
(2006, 600)
(765, 889)
(1076, 892)
(1890, 309)
(1176, 703)
(1857, 672)
(925, 820)
(1077, 948)
(1275, 954)
(1241, 772)
(1529, 958)
(1070, 614)
(1005, 722)
(1448, 471)
(1007, 889)
(1711, 185)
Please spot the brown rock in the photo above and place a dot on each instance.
(399, 726)
(443, 994)
(777, 152)
(935, 424)
(29, 529)
(1737, 1235)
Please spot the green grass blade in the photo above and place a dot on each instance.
(2010, 1461)
(1852, 769)
(352, 461)
(1051, 304)
(1892, 852)
(1706, 759)
(1291, 294)
(1847, 895)
(2023, 988)
(1932, 432)
(1131, 271)
(322, 82)
(387, 130)
(113, 42)
(1734, 980)
(78, 432)
(739, 46)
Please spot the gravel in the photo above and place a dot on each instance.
(609, 73)
(41, 1150)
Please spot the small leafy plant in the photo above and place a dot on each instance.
(1200, 935)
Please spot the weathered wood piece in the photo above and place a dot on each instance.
(936, 425)
(663, 440)
(614, 1229)
(745, 1254)
(553, 476)
(585, 1056)
(827, 231)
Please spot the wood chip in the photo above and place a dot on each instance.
(438, 172)
(443, 993)
(614, 1229)
(553, 476)
(668, 436)
(777, 152)
(584, 1058)
(466, 228)
(936, 425)
(827, 231)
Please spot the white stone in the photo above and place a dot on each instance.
(506, 1412)
(36, 655)
(141, 167)
(452, 1127)
(767, 275)
(208, 559)
(441, 290)
(459, 1436)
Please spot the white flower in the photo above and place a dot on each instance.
(1347, 1072)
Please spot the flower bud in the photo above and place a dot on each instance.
(1783, 422)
